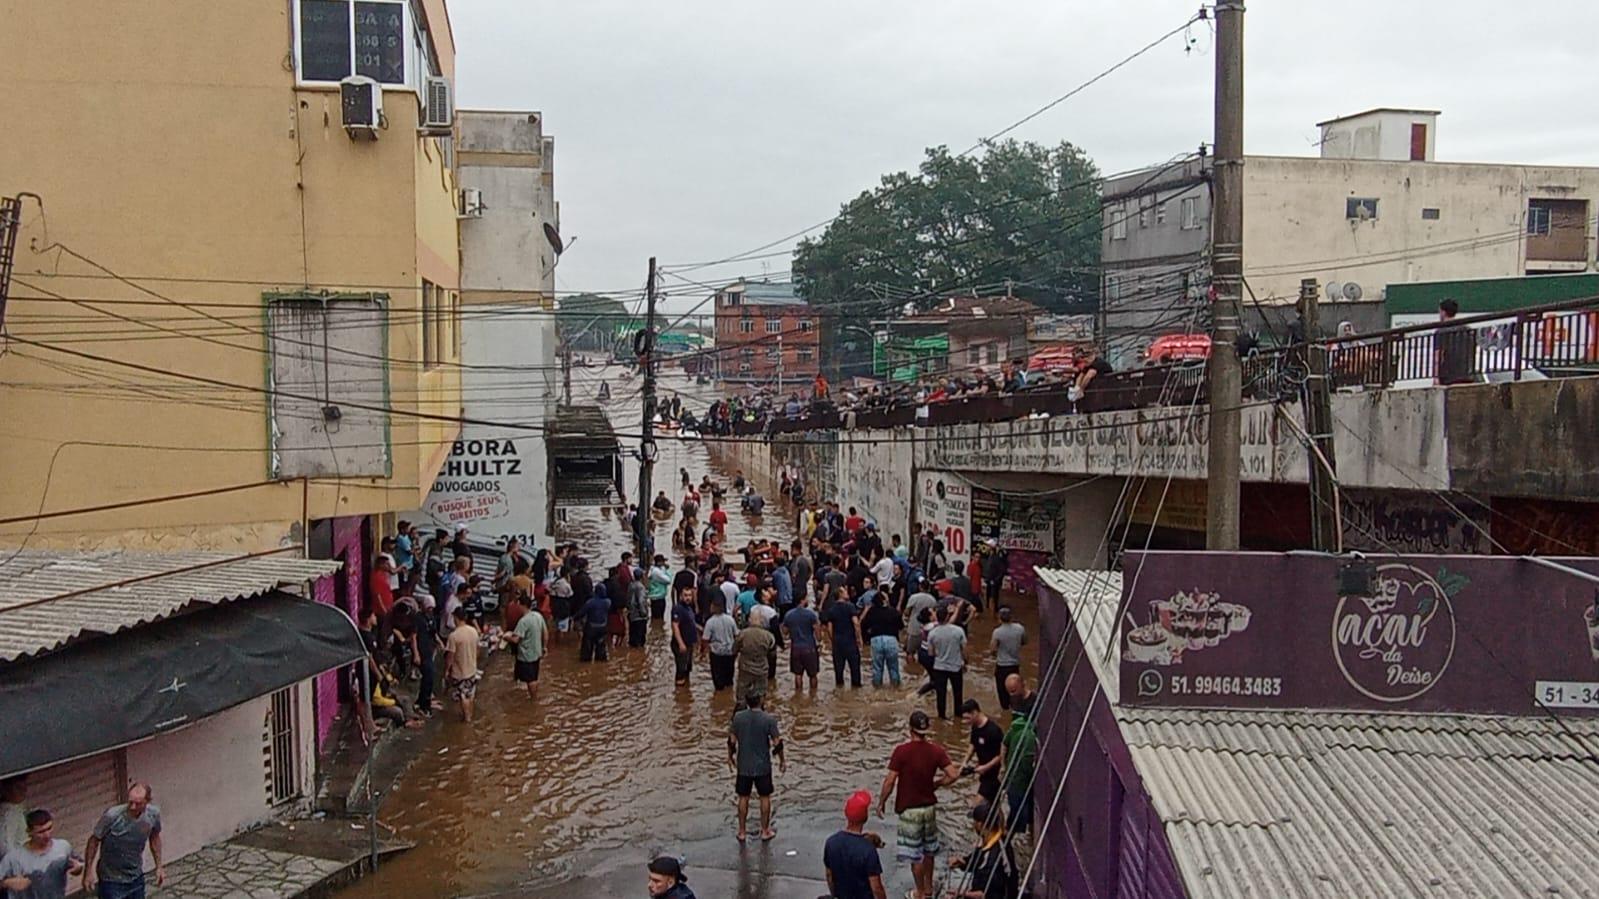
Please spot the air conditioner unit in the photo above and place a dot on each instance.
(438, 113)
(469, 203)
(361, 102)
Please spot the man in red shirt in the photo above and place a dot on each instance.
(382, 593)
(718, 518)
(917, 769)
(854, 523)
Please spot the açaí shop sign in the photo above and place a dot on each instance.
(1487, 634)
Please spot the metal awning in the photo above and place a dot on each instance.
(110, 691)
(49, 598)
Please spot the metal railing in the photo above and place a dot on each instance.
(1556, 339)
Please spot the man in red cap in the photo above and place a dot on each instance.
(853, 869)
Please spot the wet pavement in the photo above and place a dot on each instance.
(571, 795)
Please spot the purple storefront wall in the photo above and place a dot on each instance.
(1105, 840)
(349, 547)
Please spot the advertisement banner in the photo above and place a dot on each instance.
(1472, 634)
(1013, 523)
(488, 485)
(943, 500)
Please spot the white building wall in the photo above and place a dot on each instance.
(496, 479)
(1380, 134)
(211, 779)
(1295, 223)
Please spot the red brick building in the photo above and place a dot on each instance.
(764, 332)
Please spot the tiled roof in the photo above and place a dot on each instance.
(1315, 803)
(48, 598)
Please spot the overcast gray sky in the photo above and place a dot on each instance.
(698, 129)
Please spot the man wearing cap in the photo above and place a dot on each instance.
(854, 870)
(667, 880)
(459, 546)
(916, 770)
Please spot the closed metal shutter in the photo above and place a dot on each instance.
(77, 794)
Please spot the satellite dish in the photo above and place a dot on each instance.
(1352, 290)
(1335, 290)
(554, 237)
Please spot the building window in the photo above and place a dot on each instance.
(337, 38)
(993, 353)
(1360, 209)
(774, 353)
(1113, 290)
(1190, 214)
(746, 326)
(729, 300)
(805, 354)
(746, 353)
(430, 316)
(283, 755)
(974, 354)
(1430, 214)
(806, 325)
(1143, 211)
(1538, 218)
(455, 322)
(1118, 224)
(774, 326)
(1160, 212)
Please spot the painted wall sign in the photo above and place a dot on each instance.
(943, 499)
(486, 484)
(1484, 634)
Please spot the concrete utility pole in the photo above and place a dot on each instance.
(646, 360)
(1326, 525)
(1227, 274)
(566, 370)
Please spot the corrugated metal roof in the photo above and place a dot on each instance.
(48, 598)
(1313, 803)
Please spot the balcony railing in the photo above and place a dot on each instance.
(1554, 340)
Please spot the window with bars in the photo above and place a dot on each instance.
(283, 767)
(774, 326)
(746, 326)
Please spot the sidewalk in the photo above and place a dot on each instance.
(287, 860)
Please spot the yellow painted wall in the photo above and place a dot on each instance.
(171, 146)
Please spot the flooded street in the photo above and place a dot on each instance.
(571, 795)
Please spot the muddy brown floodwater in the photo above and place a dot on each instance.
(571, 795)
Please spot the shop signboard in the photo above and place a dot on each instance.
(1438, 633)
(944, 500)
(1013, 523)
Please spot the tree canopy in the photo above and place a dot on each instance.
(1018, 212)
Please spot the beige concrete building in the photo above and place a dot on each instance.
(235, 281)
(1375, 208)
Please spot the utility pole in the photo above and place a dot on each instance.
(1326, 531)
(646, 360)
(780, 362)
(566, 369)
(1227, 274)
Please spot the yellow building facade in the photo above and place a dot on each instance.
(203, 234)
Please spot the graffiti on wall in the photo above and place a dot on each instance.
(1413, 522)
(875, 477)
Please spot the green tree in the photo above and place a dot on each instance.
(591, 321)
(1018, 212)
